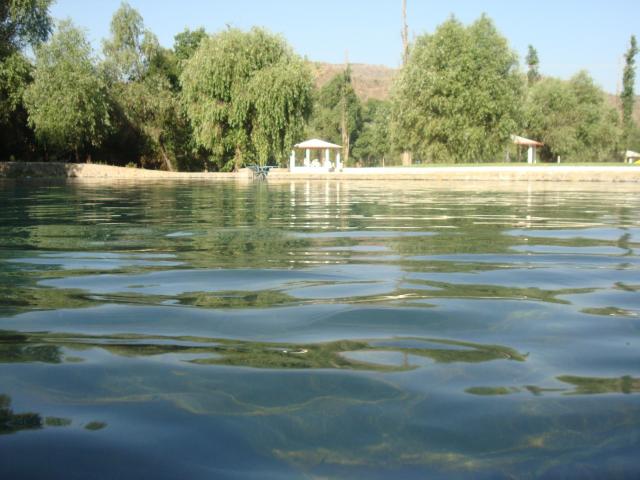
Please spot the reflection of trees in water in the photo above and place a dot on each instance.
(471, 291)
(20, 348)
(581, 386)
(46, 347)
(11, 422)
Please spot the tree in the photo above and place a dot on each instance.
(247, 96)
(144, 90)
(337, 112)
(372, 145)
(627, 96)
(67, 101)
(457, 99)
(187, 42)
(572, 118)
(533, 74)
(22, 23)
(16, 138)
(131, 48)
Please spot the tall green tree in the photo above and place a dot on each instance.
(143, 81)
(23, 23)
(627, 96)
(67, 101)
(372, 146)
(130, 49)
(337, 112)
(187, 42)
(458, 97)
(573, 119)
(247, 96)
(533, 64)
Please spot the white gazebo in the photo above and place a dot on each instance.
(321, 162)
(531, 144)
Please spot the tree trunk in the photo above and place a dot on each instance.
(238, 159)
(167, 161)
(344, 129)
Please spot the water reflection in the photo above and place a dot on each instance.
(48, 348)
(319, 329)
(11, 422)
(582, 386)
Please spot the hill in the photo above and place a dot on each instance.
(369, 81)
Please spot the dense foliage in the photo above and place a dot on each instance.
(22, 23)
(337, 113)
(67, 101)
(372, 146)
(457, 99)
(144, 90)
(237, 97)
(573, 119)
(247, 96)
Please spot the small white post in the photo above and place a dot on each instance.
(338, 163)
(307, 157)
(558, 158)
(530, 155)
(327, 160)
(292, 161)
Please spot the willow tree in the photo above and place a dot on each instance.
(247, 96)
(457, 99)
(67, 101)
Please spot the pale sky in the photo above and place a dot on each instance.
(569, 35)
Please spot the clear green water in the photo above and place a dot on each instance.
(319, 330)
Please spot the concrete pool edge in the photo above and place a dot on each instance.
(479, 173)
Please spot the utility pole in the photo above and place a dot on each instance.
(406, 155)
(405, 34)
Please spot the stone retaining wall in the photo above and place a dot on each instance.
(599, 173)
(95, 170)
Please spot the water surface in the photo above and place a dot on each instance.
(319, 330)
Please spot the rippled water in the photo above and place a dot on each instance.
(319, 330)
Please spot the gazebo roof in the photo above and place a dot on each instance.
(525, 141)
(632, 154)
(316, 143)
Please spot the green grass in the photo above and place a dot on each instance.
(516, 164)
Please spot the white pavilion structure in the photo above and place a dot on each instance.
(531, 144)
(317, 157)
(630, 156)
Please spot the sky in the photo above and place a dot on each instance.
(569, 35)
